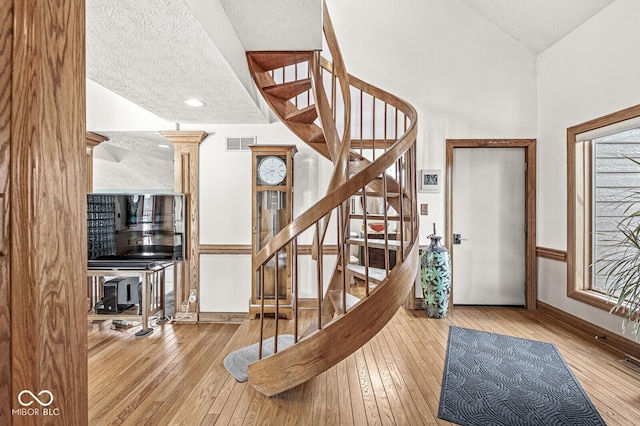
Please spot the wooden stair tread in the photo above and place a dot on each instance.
(268, 61)
(336, 300)
(289, 90)
(379, 194)
(394, 218)
(371, 243)
(321, 148)
(305, 115)
(376, 275)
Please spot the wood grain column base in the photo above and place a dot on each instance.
(184, 316)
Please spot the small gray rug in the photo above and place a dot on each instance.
(169, 303)
(492, 379)
(237, 362)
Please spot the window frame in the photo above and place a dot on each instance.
(579, 246)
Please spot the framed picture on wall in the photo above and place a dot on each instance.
(430, 180)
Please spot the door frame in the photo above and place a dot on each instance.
(529, 145)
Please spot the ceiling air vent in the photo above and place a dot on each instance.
(240, 144)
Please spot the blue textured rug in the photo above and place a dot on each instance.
(492, 379)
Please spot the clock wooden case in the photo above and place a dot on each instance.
(272, 206)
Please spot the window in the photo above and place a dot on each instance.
(601, 176)
(616, 183)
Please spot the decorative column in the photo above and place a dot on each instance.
(186, 174)
(6, 372)
(93, 140)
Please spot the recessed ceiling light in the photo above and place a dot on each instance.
(161, 145)
(194, 102)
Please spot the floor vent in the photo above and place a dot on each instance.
(631, 362)
(240, 144)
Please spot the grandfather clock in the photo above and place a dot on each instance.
(272, 205)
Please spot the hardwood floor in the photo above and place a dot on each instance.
(175, 375)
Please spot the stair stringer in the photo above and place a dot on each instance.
(326, 347)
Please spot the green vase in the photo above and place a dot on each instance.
(435, 274)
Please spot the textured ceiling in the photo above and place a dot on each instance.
(152, 144)
(538, 24)
(276, 24)
(157, 53)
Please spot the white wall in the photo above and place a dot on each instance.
(119, 169)
(225, 211)
(466, 78)
(590, 73)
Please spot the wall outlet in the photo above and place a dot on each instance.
(424, 209)
(193, 297)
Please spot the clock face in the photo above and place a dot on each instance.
(272, 170)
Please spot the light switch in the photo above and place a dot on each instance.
(424, 209)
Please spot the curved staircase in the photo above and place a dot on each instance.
(370, 136)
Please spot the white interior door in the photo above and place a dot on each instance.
(489, 214)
